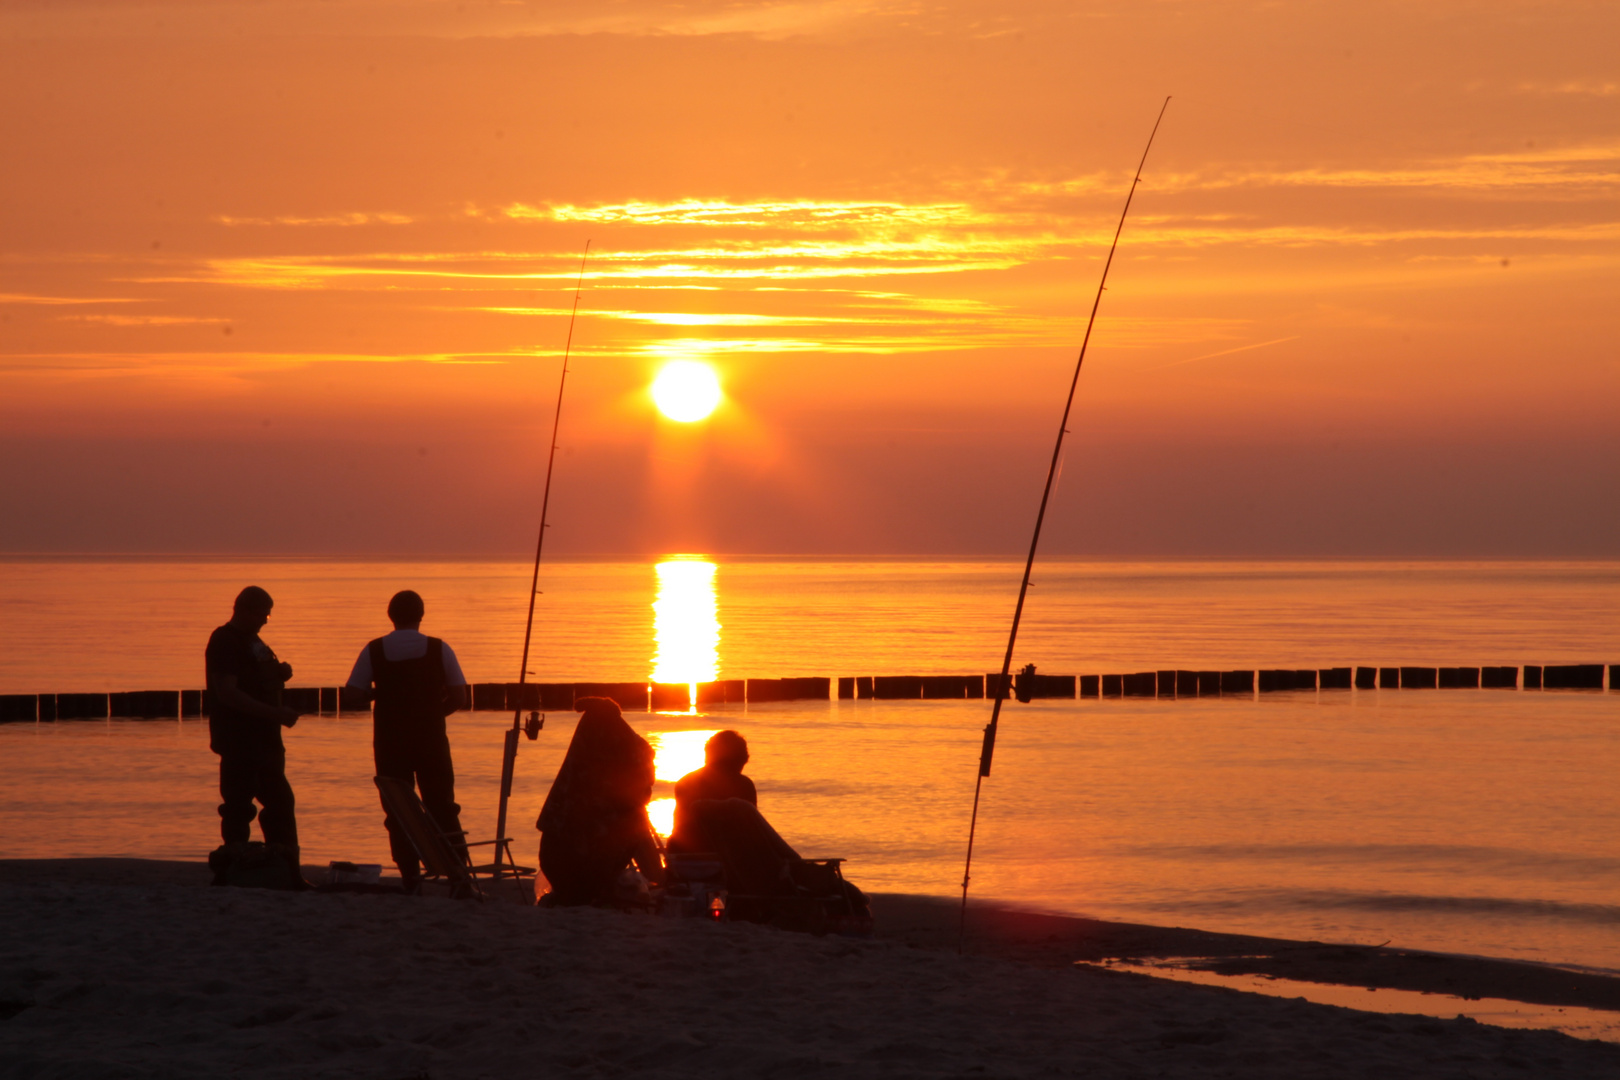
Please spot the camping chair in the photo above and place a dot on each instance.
(765, 880)
(805, 894)
(444, 854)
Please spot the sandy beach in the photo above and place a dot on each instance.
(130, 968)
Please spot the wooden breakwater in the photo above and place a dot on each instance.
(643, 695)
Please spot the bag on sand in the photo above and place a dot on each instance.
(256, 865)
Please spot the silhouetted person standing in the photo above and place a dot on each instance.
(244, 727)
(418, 683)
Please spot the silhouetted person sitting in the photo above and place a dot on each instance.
(245, 719)
(721, 777)
(717, 813)
(594, 821)
(417, 684)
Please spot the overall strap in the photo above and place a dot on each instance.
(377, 659)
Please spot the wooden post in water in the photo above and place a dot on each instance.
(1419, 678)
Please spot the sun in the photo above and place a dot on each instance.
(686, 390)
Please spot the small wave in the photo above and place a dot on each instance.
(1333, 900)
(1475, 857)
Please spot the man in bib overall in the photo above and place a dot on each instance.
(417, 684)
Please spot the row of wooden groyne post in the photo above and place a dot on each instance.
(1026, 685)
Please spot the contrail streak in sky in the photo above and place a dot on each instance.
(1228, 352)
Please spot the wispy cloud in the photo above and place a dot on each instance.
(53, 301)
(160, 363)
(889, 275)
(147, 320)
(796, 213)
(326, 220)
(1593, 166)
(1586, 88)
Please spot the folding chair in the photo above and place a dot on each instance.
(445, 854)
(763, 879)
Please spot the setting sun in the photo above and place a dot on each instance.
(686, 390)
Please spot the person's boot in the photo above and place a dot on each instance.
(297, 884)
(222, 858)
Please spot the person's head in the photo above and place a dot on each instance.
(252, 608)
(726, 750)
(406, 609)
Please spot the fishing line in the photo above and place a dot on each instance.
(509, 755)
(988, 749)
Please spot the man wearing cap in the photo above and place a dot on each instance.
(245, 719)
(417, 684)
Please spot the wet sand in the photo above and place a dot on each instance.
(1058, 940)
(129, 968)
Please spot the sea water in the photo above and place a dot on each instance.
(1475, 821)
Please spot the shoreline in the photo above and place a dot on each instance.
(1047, 940)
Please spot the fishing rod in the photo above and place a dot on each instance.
(509, 756)
(987, 751)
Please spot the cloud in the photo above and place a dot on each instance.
(146, 320)
(793, 213)
(51, 301)
(1589, 88)
(168, 363)
(327, 220)
(1532, 172)
(447, 18)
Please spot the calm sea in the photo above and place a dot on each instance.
(1471, 821)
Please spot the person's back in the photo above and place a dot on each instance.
(594, 820)
(721, 778)
(408, 699)
(415, 682)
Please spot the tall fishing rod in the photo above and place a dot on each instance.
(509, 756)
(987, 751)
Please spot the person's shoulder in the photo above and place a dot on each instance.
(227, 648)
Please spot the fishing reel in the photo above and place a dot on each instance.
(532, 726)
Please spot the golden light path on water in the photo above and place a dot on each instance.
(686, 636)
(675, 753)
(686, 623)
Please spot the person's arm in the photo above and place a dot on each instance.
(360, 677)
(227, 693)
(646, 856)
(456, 694)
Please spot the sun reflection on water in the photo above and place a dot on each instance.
(675, 753)
(686, 636)
(686, 624)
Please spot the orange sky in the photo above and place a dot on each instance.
(294, 277)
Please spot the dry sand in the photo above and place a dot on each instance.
(122, 969)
